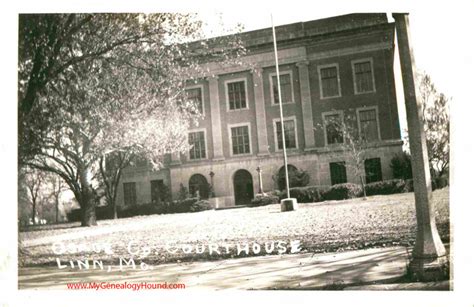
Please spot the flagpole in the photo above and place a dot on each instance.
(281, 111)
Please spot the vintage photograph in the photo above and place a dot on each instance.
(159, 151)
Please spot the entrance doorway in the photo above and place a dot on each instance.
(243, 187)
(198, 184)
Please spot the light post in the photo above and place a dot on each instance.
(211, 174)
(260, 183)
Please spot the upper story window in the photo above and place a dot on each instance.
(197, 142)
(286, 86)
(195, 96)
(332, 128)
(240, 137)
(368, 124)
(290, 134)
(363, 76)
(236, 94)
(329, 81)
(129, 194)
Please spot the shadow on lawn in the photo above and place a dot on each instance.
(286, 272)
(47, 227)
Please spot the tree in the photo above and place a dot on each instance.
(297, 178)
(401, 166)
(33, 182)
(94, 84)
(111, 168)
(352, 143)
(57, 186)
(436, 123)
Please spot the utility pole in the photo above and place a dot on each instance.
(429, 255)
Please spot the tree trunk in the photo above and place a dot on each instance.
(115, 210)
(88, 208)
(87, 201)
(56, 198)
(363, 187)
(33, 218)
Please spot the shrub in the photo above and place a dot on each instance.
(385, 187)
(181, 206)
(311, 194)
(401, 166)
(201, 205)
(183, 192)
(408, 186)
(264, 199)
(343, 191)
(101, 213)
(74, 215)
(163, 207)
(276, 193)
(439, 183)
(297, 178)
(127, 211)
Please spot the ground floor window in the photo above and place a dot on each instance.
(129, 193)
(158, 192)
(373, 170)
(338, 172)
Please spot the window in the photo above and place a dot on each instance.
(197, 142)
(195, 96)
(129, 194)
(240, 140)
(369, 130)
(329, 81)
(338, 172)
(332, 123)
(236, 95)
(286, 88)
(158, 192)
(363, 76)
(290, 134)
(373, 170)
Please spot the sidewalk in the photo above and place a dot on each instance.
(372, 269)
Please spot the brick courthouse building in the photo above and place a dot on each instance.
(329, 68)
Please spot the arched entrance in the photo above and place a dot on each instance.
(292, 173)
(198, 182)
(243, 187)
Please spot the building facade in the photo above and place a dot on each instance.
(330, 69)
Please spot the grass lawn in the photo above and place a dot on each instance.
(321, 227)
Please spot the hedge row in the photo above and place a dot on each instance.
(265, 199)
(343, 191)
(178, 206)
(101, 213)
(386, 187)
(313, 194)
